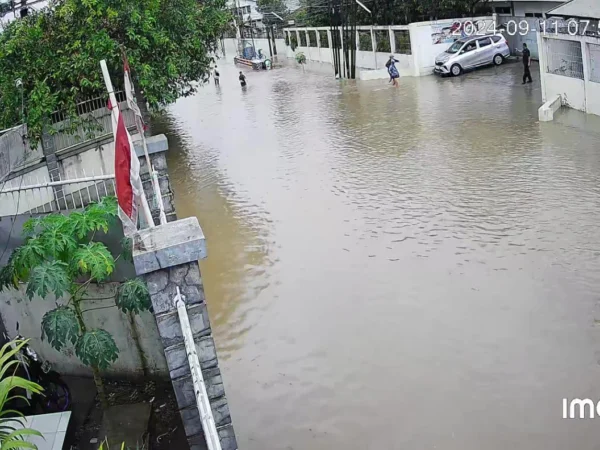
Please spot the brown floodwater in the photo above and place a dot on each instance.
(411, 268)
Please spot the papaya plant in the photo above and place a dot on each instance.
(61, 258)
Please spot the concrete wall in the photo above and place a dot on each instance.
(521, 8)
(16, 307)
(424, 49)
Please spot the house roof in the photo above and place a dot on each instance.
(578, 8)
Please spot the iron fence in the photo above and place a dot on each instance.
(564, 58)
(91, 121)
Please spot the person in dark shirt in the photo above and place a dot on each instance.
(242, 79)
(526, 64)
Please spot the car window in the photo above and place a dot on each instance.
(485, 42)
(496, 39)
(470, 47)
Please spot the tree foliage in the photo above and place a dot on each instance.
(61, 258)
(392, 12)
(56, 52)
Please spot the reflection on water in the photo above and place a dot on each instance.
(402, 268)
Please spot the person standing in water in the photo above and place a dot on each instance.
(216, 76)
(526, 65)
(242, 79)
(391, 67)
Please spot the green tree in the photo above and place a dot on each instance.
(56, 53)
(61, 258)
(12, 431)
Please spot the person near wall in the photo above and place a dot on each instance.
(526, 65)
(216, 76)
(391, 67)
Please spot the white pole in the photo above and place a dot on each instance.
(114, 111)
(159, 200)
(202, 402)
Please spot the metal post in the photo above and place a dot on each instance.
(202, 402)
(161, 206)
(114, 111)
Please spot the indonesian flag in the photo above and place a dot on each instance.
(127, 173)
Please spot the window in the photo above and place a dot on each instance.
(470, 47)
(502, 10)
(496, 39)
(538, 15)
(403, 45)
(485, 42)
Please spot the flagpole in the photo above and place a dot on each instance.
(114, 111)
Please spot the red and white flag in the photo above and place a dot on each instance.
(127, 173)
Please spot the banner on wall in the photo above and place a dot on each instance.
(448, 32)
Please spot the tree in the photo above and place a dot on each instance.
(61, 258)
(56, 52)
(12, 431)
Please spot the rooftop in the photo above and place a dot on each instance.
(578, 8)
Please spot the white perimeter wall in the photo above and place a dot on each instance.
(583, 95)
(420, 62)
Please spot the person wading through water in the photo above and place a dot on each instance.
(391, 67)
(526, 65)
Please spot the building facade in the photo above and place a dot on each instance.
(570, 55)
(523, 8)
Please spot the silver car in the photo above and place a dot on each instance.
(474, 51)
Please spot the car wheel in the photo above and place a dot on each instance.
(498, 59)
(456, 70)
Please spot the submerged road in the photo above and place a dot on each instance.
(411, 268)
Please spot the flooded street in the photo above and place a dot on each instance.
(412, 268)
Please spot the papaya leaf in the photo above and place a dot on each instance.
(108, 206)
(57, 240)
(133, 296)
(96, 348)
(94, 259)
(90, 220)
(9, 278)
(127, 248)
(48, 277)
(28, 256)
(53, 221)
(60, 326)
(30, 226)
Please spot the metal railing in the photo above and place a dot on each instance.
(39, 194)
(202, 401)
(92, 122)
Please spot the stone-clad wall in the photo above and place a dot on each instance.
(167, 258)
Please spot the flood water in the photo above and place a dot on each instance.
(411, 268)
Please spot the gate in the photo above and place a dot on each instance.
(519, 31)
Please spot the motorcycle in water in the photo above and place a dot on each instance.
(56, 396)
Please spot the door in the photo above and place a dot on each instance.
(485, 54)
(468, 55)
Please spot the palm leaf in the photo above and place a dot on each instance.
(12, 431)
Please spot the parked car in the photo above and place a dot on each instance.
(471, 52)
